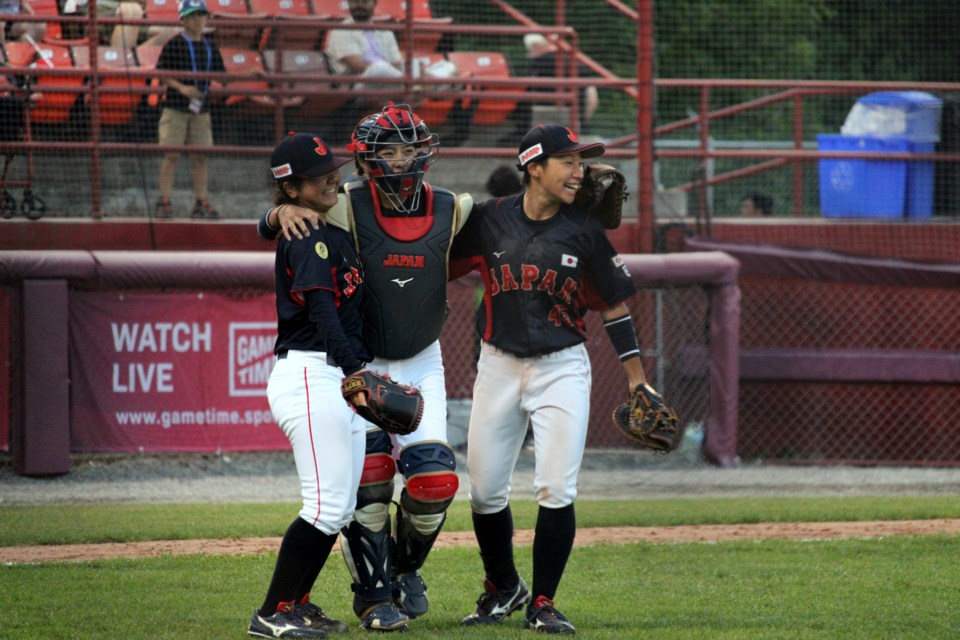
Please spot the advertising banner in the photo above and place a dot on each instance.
(172, 372)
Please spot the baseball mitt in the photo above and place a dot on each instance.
(646, 421)
(394, 407)
(602, 194)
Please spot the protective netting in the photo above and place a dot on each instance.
(844, 372)
(738, 88)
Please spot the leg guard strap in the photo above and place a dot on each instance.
(367, 555)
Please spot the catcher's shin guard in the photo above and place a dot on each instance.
(366, 542)
(431, 485)
(367, 555)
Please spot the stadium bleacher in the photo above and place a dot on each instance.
(266, 36)
(49, 105)
(118, 108)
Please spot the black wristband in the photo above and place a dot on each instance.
(623, 337)
(264, 230)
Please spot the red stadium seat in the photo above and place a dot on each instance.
(331, 9)
(161, 10)
(486, 64)
(54, 32)
(250, 62)
(288, 36)
(396, 10)
(234, 36)
(115, 108)
(433, 110)
(51, 106)
(318, 99)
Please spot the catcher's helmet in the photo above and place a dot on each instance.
(395, 125)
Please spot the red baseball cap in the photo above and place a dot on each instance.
(304, 155)
(547, 140)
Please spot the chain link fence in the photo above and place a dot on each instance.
(741, 92)
(481, 73)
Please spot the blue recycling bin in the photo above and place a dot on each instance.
(864, 188)
(882, 122)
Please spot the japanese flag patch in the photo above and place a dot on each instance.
(567, 260)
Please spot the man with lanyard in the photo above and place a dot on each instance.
(185, 118)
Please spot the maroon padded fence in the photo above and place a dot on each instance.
(686, 300)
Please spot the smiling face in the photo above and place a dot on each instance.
(398, 157)
(559, 177)
(319, 194)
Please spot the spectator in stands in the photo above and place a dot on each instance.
(369, 52)
(543, 57)
(185, 118)
(10, 30)
(756, 204)
(118, 35)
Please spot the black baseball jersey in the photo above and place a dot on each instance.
(319, 293)
(405, 261)
(541, 276)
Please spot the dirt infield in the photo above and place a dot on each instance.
(585, 537)
(270, 477)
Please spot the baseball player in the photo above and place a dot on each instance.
(403, 227)
(320, 339)
(544, 264)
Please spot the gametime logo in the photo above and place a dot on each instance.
(251, 357)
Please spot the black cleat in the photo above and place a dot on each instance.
(496, 604)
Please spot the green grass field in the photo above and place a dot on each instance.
(900, 587)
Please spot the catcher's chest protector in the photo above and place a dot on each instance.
(405, 299)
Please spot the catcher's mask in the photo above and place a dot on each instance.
(395, 125)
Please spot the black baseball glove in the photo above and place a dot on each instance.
(646, 421)
(602, 194)
(394, 407)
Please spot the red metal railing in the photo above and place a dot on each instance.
(639, 145)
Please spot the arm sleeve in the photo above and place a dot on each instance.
(323, 313)
(464, 254)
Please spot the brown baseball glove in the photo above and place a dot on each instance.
(602, 194)
(646, 421)
(394, 407)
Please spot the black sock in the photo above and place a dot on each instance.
(495, 537)
(552, 543)
(310, 576)
(302, 553)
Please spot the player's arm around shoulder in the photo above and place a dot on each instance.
(465, 250)
(294, 221)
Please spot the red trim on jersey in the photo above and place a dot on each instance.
(313, 448)
(487, 302)
(405, 228)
